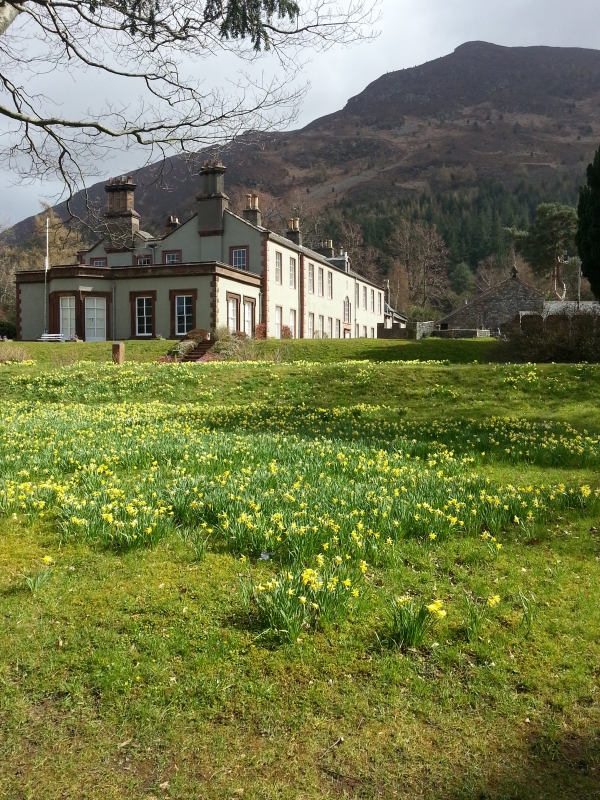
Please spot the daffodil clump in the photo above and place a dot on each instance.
(411, 619)
(319, 498)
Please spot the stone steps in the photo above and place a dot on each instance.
(201, 349)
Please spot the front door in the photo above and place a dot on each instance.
(95, 319)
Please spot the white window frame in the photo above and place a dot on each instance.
(357, 296)
(379, 303)
(372, 301)
(146, 316)
(311, 278)
(242, 262)
(365, 298)
(232, 314)
(172, 258)
(68, 306)
(320, 282)
(182, 330)
(248, 314)
(278, 318)
(372, 333)
(356, 331)
(330, 285)
(338, 329)
(347, 311)
(365, 335)
(321, 325)
(311, 325)
(278, 267)
(293, 322)
(292, 272)
(330, 327)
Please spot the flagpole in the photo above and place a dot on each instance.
(46, 282)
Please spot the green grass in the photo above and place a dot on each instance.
(145, 671)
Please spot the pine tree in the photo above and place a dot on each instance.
(588, 231)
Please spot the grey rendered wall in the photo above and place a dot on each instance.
(32, 310)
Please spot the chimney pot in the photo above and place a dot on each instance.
(255, 201)
(248, 201)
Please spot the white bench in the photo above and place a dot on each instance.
(51, 337)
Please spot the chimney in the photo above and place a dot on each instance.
(294, 233)
(325, 248)
(172, 224)
(252, 211)
(122, 220)
(212, 200)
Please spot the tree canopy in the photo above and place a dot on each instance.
(548, 240)
(588, 231)
(162, 49)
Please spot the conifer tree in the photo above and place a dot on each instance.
(588, 231)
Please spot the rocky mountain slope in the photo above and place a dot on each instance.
(483, 112)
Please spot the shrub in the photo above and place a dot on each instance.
(198, 335)
(286, 332)
(260, 331)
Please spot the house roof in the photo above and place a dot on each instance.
(489, 293)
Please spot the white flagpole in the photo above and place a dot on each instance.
(46, 267)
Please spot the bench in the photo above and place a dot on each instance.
(51, 337)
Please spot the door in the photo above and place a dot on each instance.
(95, 319)
(67, 317)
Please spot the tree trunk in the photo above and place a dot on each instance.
(8, 15)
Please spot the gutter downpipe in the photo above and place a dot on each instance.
(114, 310)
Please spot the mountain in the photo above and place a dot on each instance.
(482, 114)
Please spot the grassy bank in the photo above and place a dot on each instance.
(175, 621)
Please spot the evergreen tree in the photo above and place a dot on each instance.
(588, 231)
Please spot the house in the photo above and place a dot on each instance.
(216, 269)
(494, 307)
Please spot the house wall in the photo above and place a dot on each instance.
(283, 294)
(495, 308)
(31, 310)
(243, 291)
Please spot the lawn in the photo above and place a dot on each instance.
(213, 576)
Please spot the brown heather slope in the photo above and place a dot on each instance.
(483, 112)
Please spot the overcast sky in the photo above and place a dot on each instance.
(412, 32)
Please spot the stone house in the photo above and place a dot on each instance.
(216, 269)
(494, 307)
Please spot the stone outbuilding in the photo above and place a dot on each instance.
(494, 307)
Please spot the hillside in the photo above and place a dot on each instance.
(482, 113)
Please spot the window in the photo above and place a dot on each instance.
(372, 333)
(356, 297)
(365, 331)
(356, 331)
(278, 267)
(143, 261)
(321, 326)
(320, 283)
(248, 318)
(372, 301)
(238, 257)
(311, 278)
(379, 302)
(330, 327)
(98, 262)
(95, 319)
(232, 313)
(172, 256)
(292, 273)
(184, 314)
(330, 286)
(365, 298)
(143, 316)
(67, 317)
(347, 311)
(293, 323)
(311, 326)
(338, 328)
(278, 322)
